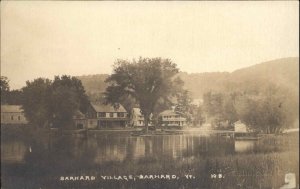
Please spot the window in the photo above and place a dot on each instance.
(19, 118)
(79, 126)
(111, 114)
(12, 117)
(120, 114)
(101, 114)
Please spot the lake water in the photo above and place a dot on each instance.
(119, 147)
(39, 162)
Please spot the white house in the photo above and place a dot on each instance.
(172, 118)
(137, 119)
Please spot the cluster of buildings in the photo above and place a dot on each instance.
(99, 116)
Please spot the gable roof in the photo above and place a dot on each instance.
(170, 113)
(107, 108)
(238, 122)
(11, 108)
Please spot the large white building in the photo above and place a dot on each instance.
(172, 118)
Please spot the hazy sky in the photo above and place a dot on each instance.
(43, 39)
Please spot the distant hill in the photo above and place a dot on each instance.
(282, 72)
(94, 84)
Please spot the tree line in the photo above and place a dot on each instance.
(153, 85)
(48, 103)
(269, 111)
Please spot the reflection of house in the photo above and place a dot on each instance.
(136, 118)
(106, 116)
(240, 127)
(172, 118)
(80, 121)
(12, 114)
(13, 151)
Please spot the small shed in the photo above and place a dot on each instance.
(240, 127)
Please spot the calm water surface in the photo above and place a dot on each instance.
(103, 148)
(40, 161)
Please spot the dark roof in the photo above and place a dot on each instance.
(11, 108)
(108, 108)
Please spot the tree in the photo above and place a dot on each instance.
(53, 103)
(67, 96)
(229, 113)
(221, 107)
(266, 113)
(149, 81)
(198, 115)
(14, 97)
(36, 101)
(184, 105)
(214, 106)
(4, 86)
(160, 106)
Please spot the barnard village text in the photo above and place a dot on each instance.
(126, 177)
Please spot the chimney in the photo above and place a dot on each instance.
(173, 108)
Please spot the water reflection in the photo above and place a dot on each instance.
(105, 148)
(13, 151)
(46, 157)
(244, 146)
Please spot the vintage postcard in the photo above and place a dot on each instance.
(150, 95)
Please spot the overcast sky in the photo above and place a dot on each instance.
(43, 39)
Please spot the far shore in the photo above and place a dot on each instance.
(135, 131)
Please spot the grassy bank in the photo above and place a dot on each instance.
(243, 171)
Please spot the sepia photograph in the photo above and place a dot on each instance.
(149, 94)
